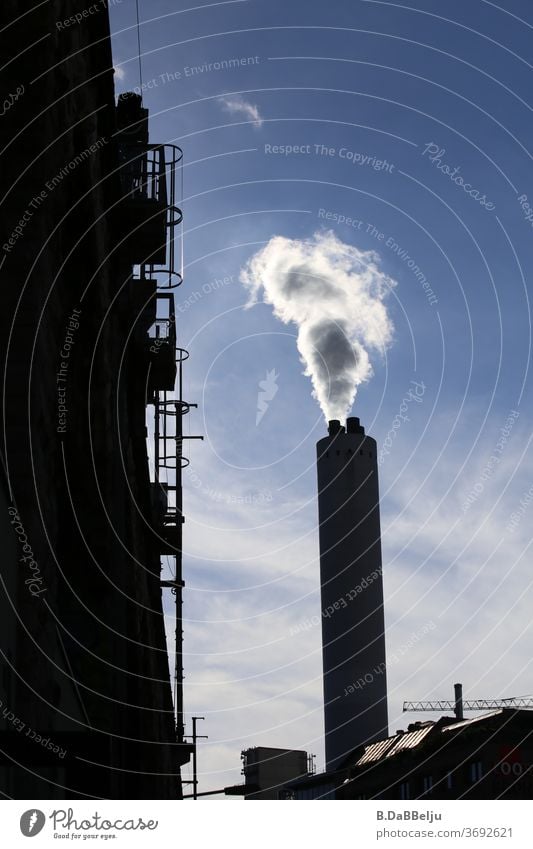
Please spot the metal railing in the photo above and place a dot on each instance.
(152, 189)
(169, 461)
(152, 183)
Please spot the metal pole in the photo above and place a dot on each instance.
(178, 671)
(179, 557)
(195, 737)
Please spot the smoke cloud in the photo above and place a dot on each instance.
(334, 293)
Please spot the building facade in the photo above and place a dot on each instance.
(86, 699)
(267, 770)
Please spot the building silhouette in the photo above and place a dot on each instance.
(486, 757)
(87, 338)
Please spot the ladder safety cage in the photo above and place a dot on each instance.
(151, 178)
(151, 182)
(162, 345)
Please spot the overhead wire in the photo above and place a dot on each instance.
(139, 49)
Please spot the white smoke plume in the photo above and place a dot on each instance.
(334, 293)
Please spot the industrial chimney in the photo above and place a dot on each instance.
(353, 629)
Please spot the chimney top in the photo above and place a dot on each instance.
(335, 427)
(353, 425)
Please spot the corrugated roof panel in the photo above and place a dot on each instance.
(376, 750)
(410, 740)
(472, 721)
(392, 745)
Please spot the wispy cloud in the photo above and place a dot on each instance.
(120, 73)
(237, 105)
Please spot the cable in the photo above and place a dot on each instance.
(139, 49)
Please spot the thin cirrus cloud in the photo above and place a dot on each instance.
(239, 106)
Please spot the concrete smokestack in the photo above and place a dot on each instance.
(353, 628)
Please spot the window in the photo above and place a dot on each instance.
(404, 790)
(449, 780)
(427, 783)
(476, 771)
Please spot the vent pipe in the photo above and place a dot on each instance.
(353, 425)
(459, 714)
(335, 427)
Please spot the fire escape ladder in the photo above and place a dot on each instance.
(151, 178)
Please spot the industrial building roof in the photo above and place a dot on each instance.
(403, 740)
(472, 721)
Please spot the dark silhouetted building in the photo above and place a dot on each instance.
(86, 701)
(486, 757)
(267, 770)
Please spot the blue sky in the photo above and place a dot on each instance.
(364, 82)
